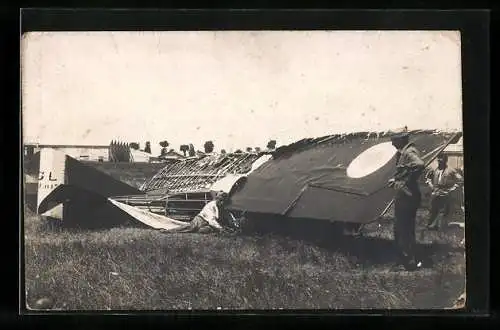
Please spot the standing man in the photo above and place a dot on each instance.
(409, 167)
(443, 180)
(208, 220)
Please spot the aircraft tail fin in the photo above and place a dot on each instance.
(52, 173)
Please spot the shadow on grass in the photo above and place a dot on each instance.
(372, 250)
(365, 250)
(282, 263)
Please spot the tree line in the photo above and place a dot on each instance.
(188, 149)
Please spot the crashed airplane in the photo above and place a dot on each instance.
(337, 178)
(79, 195)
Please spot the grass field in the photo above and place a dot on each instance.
(131, 268)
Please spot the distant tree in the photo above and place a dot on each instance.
(164, 145)
(209, 147)
(134, 145)
(249, 149)
(147, 148)
(192, 152)
(119, 151)
(184, 148)
(257, 149)
(171, 150)
(238, 151)
(223, 151)
(271, 144)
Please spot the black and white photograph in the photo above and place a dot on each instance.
(243, 170)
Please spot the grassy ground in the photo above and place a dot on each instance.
(130, 268)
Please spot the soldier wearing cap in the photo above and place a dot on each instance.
(409, 167)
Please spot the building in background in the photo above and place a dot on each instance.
(171, 155)
(139, 156)
(455, 154)
(98, 153)
(91, 153)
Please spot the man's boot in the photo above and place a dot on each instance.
(413, 265)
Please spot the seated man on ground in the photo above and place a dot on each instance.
(208, 220)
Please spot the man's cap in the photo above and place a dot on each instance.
(399, 133)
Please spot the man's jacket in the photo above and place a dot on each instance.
(409, 167)
(443, 180)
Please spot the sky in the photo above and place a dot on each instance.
(237, 88)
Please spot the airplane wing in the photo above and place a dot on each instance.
(341, 179)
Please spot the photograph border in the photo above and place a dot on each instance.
(474, 28)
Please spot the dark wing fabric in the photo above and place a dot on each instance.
(334, 205)
(68, 193)
(85, 184)
(93, 180)
(311, 182)
(86, 209)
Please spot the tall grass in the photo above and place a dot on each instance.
(131, 268)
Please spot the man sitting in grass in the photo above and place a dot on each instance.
(208, 220)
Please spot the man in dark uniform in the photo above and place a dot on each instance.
(409, 167)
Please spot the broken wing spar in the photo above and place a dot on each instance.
(77, 194)
(181, 190)
(198, 174)
(307, 179)
(150, 219)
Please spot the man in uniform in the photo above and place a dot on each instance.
(409, 167)
(443, 180)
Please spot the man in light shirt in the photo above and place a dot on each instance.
(208, 220)
(443, 180)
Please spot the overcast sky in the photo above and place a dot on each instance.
(238, 89)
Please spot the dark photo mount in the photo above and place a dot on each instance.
(474, 29)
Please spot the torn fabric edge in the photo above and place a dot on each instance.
(150, 219)
(296, 184)
(199, 173)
